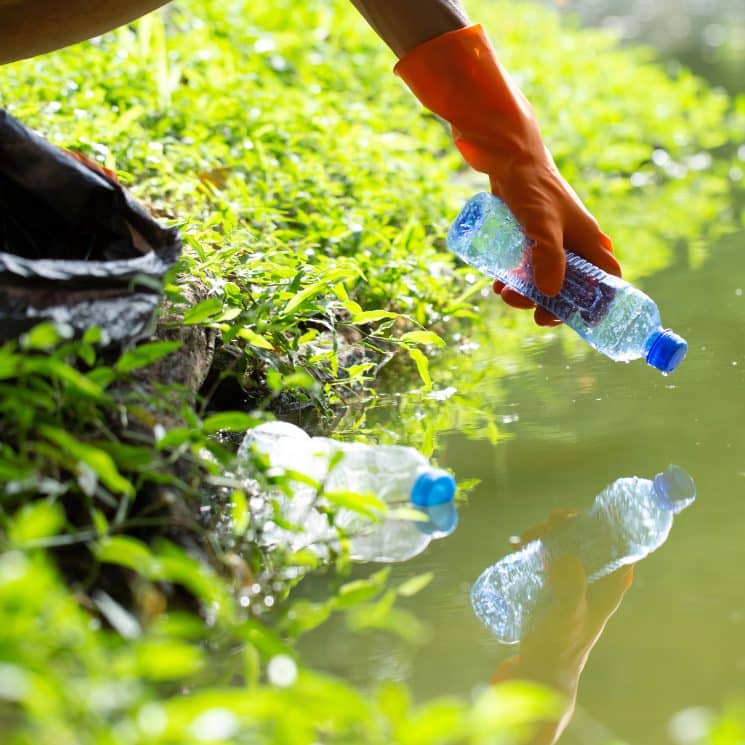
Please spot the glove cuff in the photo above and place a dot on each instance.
(458, 73)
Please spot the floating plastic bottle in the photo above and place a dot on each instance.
(401, 477)
(611, 315)
(628, 520)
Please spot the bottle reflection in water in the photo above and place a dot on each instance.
(628, 520)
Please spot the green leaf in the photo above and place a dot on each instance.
(86, 353)
(413, 585)
(513, 704)
(423, 337)
(353, 371)
(229, 421)
(407, 513)
(55, 368)
(422, 366)
(10, 364)
(101, 376)
(229, 313)
(266, 640)
(341, 292)
(96, 459)
(203, 311)
(35, 521)
(371, 615)
(46, 335)
(440, 720)
(401, 623)
(251, 665)
(92, 335)
(307, 337)
(255, 339)
(175, 565)
(145, 355)
(175, 438)
(300, 297)
(394, 701)
(323, 284)
(358, 591)
(305, 557)
(369, 316)
(300, 477)
(127, 552)
(239, 512)
(305, 615)
(100, 523)
(297, 379)
(365, 504)
(129, 457)
(167, 659)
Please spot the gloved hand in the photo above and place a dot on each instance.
(457, 76)
(555, 650)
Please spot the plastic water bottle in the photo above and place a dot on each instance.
(608, 313)
(628, 520)
(401, 477)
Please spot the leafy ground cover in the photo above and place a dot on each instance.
(313, 195)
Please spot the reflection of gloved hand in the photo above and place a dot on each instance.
(555, 651)
(457, 76)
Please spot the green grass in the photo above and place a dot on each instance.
(313, 194)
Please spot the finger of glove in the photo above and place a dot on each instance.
(511, 297)
(606, 594)
(619, 581)
(543, 318)
(549, 257)
(584, 237)
(568, 582)
(560, 516)
(515, 299)
(507, 670)
(555, 519)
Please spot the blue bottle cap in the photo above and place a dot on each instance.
(675, 489)
(667, 351)
(433, 486)
(442, 519)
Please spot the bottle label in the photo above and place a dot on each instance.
(582, 295)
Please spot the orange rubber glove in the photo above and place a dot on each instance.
(556, 648)
(458, 77)
(555, 651)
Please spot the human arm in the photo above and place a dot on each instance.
(31, 27)
(453, 70)
(405, 24)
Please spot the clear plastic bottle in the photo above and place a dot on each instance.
(611, 315)
(398, 476)
(628, 520)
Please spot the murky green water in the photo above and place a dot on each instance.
(575, 422)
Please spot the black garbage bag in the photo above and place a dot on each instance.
(75, 247)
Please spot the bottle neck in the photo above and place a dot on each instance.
(651, 341)
(665, 350)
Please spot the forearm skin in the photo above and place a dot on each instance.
(404, 24)
(31, 27)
